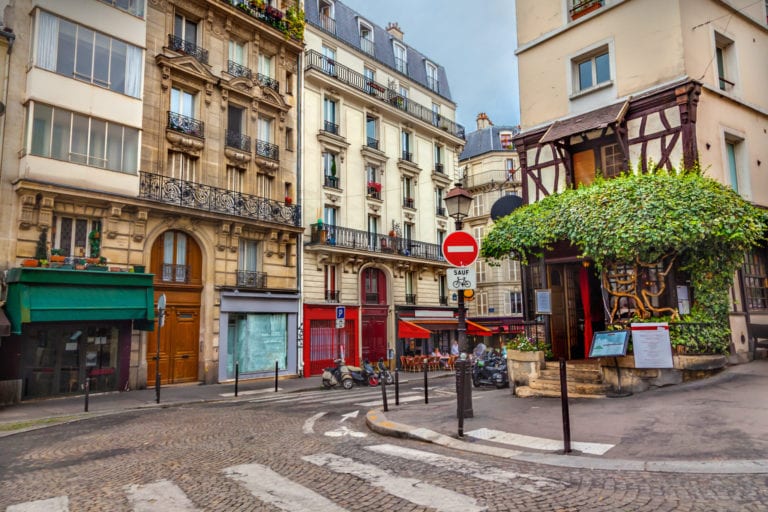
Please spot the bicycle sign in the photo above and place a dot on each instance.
(461, 278)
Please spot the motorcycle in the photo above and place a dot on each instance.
(364, 375)
(337, 374)
(491, 371)
(384, 374)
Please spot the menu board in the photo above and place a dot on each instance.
(609, 344)
(651, 345)
(543, 301)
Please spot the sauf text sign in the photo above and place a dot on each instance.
(461, 278)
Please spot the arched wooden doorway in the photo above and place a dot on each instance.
(177, 265)
(373, 297)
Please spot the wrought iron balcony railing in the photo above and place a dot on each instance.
(410, 298)
(407, 156)
(440, 211)
(315, 60)
(408, 202)
(443, 300)
(187, 125)
(178, 44)
(366, 45)
(439, 168)
(235, 69)
(373, 143)
(188, 194)
(346, 238)
(330, 127)
(328, 24)
(238, 141)
(332, 296)
(492, 177)
(267, 81)
(331, 181)
(372, 298)
(267, 150)
(374, 193)
(251, 279)
(172, 273)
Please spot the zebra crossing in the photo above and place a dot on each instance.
(270, 487)
(366, 397)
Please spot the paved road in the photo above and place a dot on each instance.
(312, 451)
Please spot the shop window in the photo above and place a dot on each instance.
(256, 341)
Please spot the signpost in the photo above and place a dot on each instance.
(460, 249)
(463, 278)
(160, 324)
(340, 314)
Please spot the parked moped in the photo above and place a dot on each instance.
(491, 371)
(332, 375)
(384, 374)
(363, 375)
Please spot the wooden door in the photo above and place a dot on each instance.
(178, 346)
(558, 321)
(584, 167)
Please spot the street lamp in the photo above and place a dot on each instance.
(457, 202)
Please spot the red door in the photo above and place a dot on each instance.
(374, 333)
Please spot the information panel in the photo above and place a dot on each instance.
(609, 344)
(543, 301)
(651, 345)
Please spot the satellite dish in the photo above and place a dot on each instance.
(505, 205)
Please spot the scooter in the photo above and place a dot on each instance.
(363, 375)
(334, 375)
(384, 374)
(491, 372)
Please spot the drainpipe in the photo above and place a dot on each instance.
(299, 196)
(11, 37)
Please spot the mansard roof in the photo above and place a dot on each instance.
(486, 140)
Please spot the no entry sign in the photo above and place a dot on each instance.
(460, 249)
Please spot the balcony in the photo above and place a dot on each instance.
(267, 15)
(330, 127)
(373, 143)
(238, 70)
(196, 196)
(408, 202)
(267, 81)
(333, 296)
(186, 125)
(358, 81)
(583, 7)
(439, 168)
(443, 300)
(492, 178)
(374, 189)
(171, 273)
(177, 44)
(328, 24)
(267, 150)
(440, 211)
(407, 156)
(238, 141)
(410, 298)
(346, 238)
(366, 45)
(331, 181)
(251, 279)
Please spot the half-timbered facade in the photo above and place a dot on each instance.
(626, 91)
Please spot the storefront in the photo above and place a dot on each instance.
(68, 326)
(420, 331)
(258, 331)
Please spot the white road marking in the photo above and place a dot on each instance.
(345, 431)
(161, 495)
(406, 399)
(57, 504)
(409, 489)
(538, 443)
(309, 425)
(523, 481)
(349, 415)
(251, 392)
(272, 488)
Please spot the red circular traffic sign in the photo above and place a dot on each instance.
(460, 249)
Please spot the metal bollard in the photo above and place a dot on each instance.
(87, 392)
(397, 387)
(383, 384)
(566, 415)
(276, 370)
(460, 397)
(426, 384)
(237, 375)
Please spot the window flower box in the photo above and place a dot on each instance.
(374, 187)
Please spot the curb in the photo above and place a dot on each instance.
(378, 422)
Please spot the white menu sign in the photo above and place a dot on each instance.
(651, 345)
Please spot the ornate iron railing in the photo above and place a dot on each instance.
(408, 202)
(443, 300)
(407, 156)
(175, 273)
(317, 61)
(440, 211)
(332, 295)
(235, 69)
(184, 124)
(238, 140)
(346, 238)
(410, 298)
(374, 193)
(268, 14)
(330, 127)
(178, 44)
(267, 81)
(188, 194)
(440, 168)
(373, 143)
(267, 150)
(331, 181)
(251, 279)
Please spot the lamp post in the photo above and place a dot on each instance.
(457, 202)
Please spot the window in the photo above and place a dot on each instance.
(182, 102)
(330, 170)
(366, 38)
(440, 237)
(405, 144)
(182, 166)
(592, 69)
(329, 116)
(432, 81)
(264, 185)
(514, 270)
(265, 129)
(330, 214)
(75, 51)
(482, 303)
(248, 257)
(435, 114)
(438, 156)
(439, 204)
(612, 158)
(70, 234)
(64, 135)
(175, 267)
(329, 278)
(756, 279)
(516, 300)
(725, 55)
(480, 269)
(266, 66)
(327, 18)
(185, 29)
(734, 154)
(371, 87)
(408, 192)
(135, 7)
(505, 139)
(401, 59)
(408, 229)
(235, 136)
(234, 179)
(329, 60)
(372, 131)
(237, 63)
(478, 205)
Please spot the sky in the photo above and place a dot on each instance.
(474, 41)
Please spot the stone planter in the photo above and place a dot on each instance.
(637, 380)
(521, 366)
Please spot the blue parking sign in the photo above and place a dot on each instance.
(340, 312)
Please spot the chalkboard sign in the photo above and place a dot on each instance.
(609, 344)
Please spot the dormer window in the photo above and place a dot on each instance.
(505, 138)
(401, 57)
(366, 38)
(432, 81)
(327, 15)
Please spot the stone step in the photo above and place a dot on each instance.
(527, 392)
(761, 353)
(573, 374)
(581, 388)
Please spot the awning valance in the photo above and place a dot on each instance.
(409, 330)
(473, 328)
(592, 120)
(58, 295)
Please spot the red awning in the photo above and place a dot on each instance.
(473, 328)
(478, 330)
(409, 330)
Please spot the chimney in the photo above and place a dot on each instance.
(483, 121)
(394, 30)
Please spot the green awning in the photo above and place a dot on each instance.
(55, 295)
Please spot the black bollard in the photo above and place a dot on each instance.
(397, 387)
(384, 392)
(237, 375)
(276, 369)
(566, 415)
(87, 392)
(460, 397)
(426, 384)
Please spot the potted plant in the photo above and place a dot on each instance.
(525, 358)
(57, 256)
(374, 188)
(288, 199)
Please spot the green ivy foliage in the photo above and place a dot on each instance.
(643, 216)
